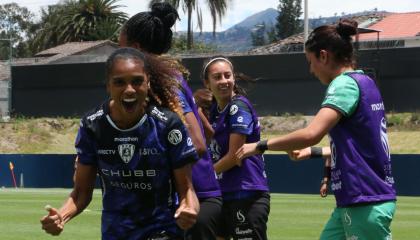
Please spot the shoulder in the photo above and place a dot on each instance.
(163, 115)
(93, 116)
(239, 103)
(343, 81)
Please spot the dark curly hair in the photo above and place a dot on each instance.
(163, 82)
(336, 38)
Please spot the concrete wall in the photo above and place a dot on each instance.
(284, 85)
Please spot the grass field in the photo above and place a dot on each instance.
(292, 217)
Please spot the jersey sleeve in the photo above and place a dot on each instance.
(343, 95)
(181, 150)
(85, 146)
(186, 108)
(240, 119)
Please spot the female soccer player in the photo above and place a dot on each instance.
(246, 201)
(151, 32)
(141, 151)
(353, 115)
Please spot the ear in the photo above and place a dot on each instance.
(324, 56)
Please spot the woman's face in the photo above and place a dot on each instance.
(220, 81)
(318, 65)
(128, 86)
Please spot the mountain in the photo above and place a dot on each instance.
(238, 37)
(268, 16)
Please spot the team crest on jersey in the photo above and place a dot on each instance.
(126, 151)
(175, 136)
(233, 109)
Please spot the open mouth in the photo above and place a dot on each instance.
(129, 104)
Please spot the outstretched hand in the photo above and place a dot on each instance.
(246, 150)
(53, 222)
(301, 154)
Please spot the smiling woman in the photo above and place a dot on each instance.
(129, 141)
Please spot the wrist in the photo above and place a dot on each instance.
(316, 152)
(324, 181)
(262, 146)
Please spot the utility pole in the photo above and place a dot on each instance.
(305, 21)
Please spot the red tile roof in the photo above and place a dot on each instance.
(397, 25)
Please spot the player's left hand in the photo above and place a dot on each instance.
(323, 191)
(246, 150)
(185, 217)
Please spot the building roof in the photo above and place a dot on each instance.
(395, 26)
(59, 53)
(72, 48)
(294, 42)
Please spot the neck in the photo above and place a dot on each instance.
(124, 120)
(340, 70)
(222, 103)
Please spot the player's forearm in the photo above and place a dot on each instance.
(185, 189)
(74, 205)
(189, 199)
(225, 163)
(296, 140)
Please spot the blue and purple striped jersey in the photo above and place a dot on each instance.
(238, 117)
(136, 169)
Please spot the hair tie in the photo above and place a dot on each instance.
(216, 59)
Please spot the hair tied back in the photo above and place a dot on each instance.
(166, 13)
(346, 28)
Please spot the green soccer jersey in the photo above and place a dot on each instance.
(342, 94)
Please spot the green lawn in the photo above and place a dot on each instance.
(292, 217)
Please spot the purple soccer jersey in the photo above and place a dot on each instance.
(135, 167)
(203, 174)
(361, 163)
(238, 117)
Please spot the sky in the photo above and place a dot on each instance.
(240, 9)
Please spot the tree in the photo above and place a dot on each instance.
(16, 24)
(79, 20)
(179, 46)
(288, 22)
(83, 17)
(258, 35)
(217, 10)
